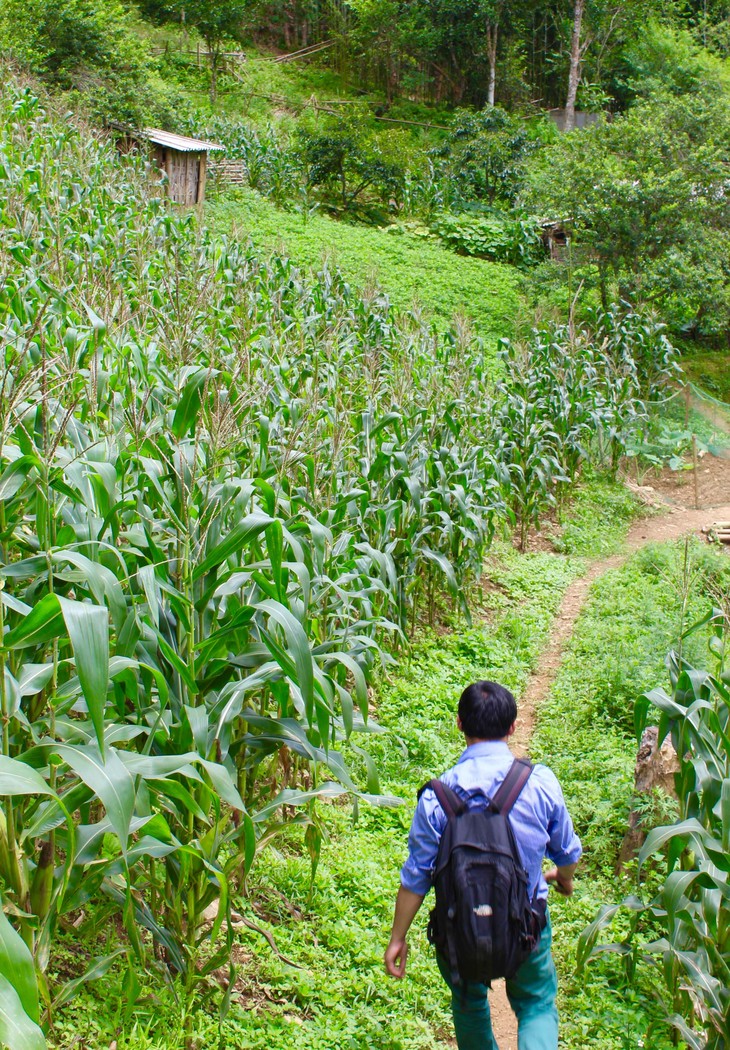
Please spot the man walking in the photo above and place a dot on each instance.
(542, 828)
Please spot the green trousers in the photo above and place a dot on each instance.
(531, 993)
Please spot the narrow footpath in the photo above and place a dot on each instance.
(675, 523)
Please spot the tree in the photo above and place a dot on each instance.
(65, 40)
(217, 21)
(492, 16)
(576, 55)
(484, 156)
(600, 30)
(86, 47)
(646, 197)
(345, 163)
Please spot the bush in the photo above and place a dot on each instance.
(485, 155)
(87, 46)
(344, 163)
(502, 239)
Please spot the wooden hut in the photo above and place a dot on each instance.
(184, 161)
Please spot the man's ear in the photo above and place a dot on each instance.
(512, 728)
(458, 724)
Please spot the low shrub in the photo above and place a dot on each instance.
(501, 238)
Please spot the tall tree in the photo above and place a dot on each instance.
(647, 205)
(576, 56)
(492, 16)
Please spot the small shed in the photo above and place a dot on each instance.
(555, 237)
(184, 161)
(583, 119)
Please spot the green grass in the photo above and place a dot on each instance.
(709, 370)
(413, 273)
(594, 523)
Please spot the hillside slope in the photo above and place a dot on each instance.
(413, 272)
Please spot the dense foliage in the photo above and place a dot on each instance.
(483, 177)
(197, 597)
(89, 49)
(477, 51)
(233, 484)
(644, 198)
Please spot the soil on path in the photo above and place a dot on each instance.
(675, 523)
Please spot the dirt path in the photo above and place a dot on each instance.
(671, 525)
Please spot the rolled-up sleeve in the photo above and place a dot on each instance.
(564, 846)
(423, 844)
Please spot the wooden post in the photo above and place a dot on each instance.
(201, 177)
(694, 467)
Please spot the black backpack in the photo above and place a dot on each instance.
(484, 923)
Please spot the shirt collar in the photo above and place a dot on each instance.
(485, 749)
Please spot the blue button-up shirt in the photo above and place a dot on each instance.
(540, 821)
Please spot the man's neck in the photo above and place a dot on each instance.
(481, 740)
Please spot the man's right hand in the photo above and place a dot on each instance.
(561, 879)
(395, 957)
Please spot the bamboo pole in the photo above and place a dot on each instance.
(694, 468)
(305, 52)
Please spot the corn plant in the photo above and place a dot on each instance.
(571, 396)
(689, 918)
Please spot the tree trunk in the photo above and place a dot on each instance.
(492, 33)
(213, 76)
(575, 63)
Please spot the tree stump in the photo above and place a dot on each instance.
(655, 768)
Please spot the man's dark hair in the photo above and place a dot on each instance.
(487, 710)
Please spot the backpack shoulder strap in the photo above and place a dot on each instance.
(510, 788)
(449, 801)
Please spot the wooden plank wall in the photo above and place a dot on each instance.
(186, 174)
(202, 173)
(184, 177)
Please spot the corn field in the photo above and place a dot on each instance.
(228, 492)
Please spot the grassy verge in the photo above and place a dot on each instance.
(412, 272)
(585, 734)
(595, 522)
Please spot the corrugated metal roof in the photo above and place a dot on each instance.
(181, 143)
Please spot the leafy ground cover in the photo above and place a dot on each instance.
(594, 524)
(414, 273)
